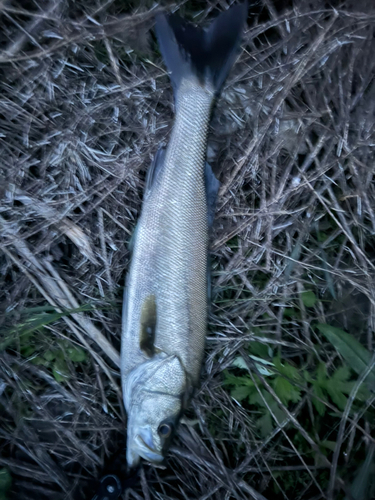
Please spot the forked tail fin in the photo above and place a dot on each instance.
(206, 54)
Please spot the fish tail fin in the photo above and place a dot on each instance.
(204, 54)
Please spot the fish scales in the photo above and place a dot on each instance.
(165, 301)
(183, 267)
(170, 253)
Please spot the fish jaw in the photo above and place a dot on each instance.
(142, 442)
(143, 448)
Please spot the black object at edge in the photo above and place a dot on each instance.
(110, 488)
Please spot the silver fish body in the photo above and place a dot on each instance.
(165, 304)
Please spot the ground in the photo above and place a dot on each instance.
(286, 406)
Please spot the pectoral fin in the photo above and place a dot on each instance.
(148, 326)
(132, 239)
(154, 169)
(212, 188)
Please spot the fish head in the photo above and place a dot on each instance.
(153, 396)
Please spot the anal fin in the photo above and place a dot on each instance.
(155, 168)
(212, 188)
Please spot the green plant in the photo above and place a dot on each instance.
(5, 483)
(33, 341)
(289, 383)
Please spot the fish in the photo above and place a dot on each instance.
(166, 296)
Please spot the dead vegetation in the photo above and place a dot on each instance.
(84, 104)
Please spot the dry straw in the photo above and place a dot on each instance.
(84, 103)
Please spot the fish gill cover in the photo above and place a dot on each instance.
(286, 408)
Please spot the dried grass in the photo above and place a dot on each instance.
(85, 102)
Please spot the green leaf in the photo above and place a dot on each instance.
(290, 312)
(357, 356)
(49, 355)
(362, 394)
(36, 322)
(322, 237)
(308, 298)
(341, 375)
(60, 370)
(239, 362)
(264, 424)
(319, 406)
(58, 376)
(287, 370)
(258, 349)
(277, 411)
(39, 321)
(28, 350)
(329, 445)
(337, 396)
(361, 487)
(261, 360)
(337, 386)
(76, 354)
(241, 392)
(38, 309)
(231, 379)
(286, 391)
(38, 360)
(306, 376)
(5, 483)
(321, 373)
(256, 400)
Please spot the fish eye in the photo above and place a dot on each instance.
(165, 430)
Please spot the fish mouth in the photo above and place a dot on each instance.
(146, 452)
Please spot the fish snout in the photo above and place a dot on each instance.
(145, 447)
